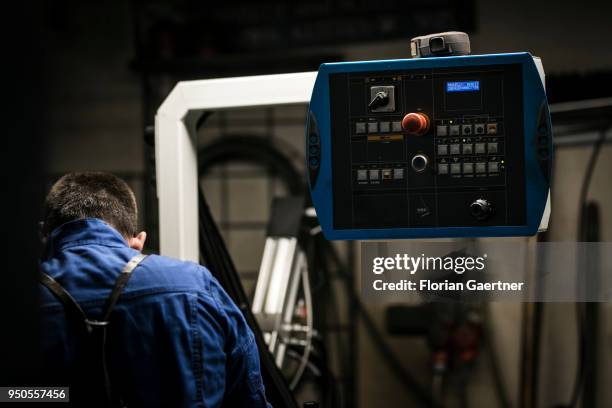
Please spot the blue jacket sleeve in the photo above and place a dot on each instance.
(244, 385)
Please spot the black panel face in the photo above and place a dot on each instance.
(465, 169)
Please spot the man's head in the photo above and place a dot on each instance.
(94, 195)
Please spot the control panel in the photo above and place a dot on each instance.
(430, 147)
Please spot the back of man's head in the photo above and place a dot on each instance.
(91, 195)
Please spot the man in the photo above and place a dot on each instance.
(174, 338)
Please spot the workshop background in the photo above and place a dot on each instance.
(108, 66)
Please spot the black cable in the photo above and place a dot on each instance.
(422, 395)
(592, 311)
(579, 306)
(332, 395)
(259, 151)
(216, 257)
(251, 149)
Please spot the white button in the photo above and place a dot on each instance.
(442, 130)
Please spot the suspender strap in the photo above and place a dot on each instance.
(96, 328)
(71, 306)
(122, 281)
(111, 396)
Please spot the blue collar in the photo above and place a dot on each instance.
(85, 231)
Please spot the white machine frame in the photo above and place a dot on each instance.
(176, 151)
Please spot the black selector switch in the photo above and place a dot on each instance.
(481, 209)
(382, 98)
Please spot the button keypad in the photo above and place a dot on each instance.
(469, 147)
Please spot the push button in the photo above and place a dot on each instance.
(491, 128)
(481, 168)
(374, 174)
(479, 148)
(384, 127)
(492, 148)
(493, 167)
(468, 168)
(467, 148)
(442, 130)
(360, 127)
(415, 123)
(442, 168)
(372, 127)
(479, 129)
(455, 168)
(398, 174)
(362, 175)
(396, 126)
(466, 129)
(454, 149)
(454, 130)
(442, 149)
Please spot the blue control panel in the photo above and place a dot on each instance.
(430, 147)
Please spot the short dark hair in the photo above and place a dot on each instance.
(91, 195)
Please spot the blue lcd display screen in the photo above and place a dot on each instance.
(463, 86)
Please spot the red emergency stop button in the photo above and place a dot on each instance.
(415, 123)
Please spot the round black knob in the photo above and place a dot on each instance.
(481, 209)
